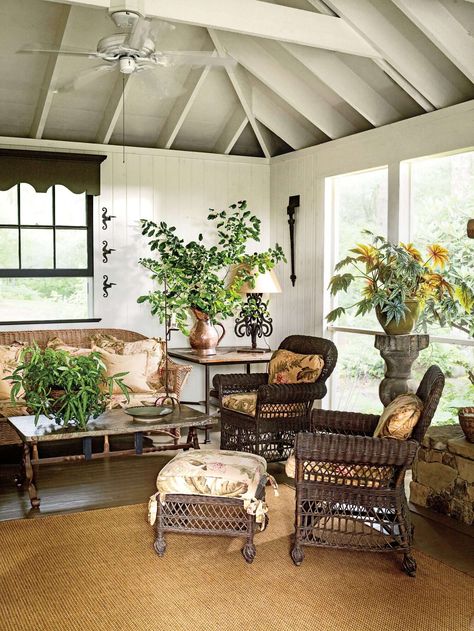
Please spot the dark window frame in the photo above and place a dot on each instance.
(87, 272)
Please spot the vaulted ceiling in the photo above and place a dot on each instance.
(308, 71)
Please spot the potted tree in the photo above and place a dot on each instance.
(193, 278)
(395, 280)
(70, 389)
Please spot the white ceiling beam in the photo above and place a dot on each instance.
(442, 28)
(113, 109)
(332, 71)
(406, 86)
(257, 18)
(398, 50)
(243, 90)
(271, 71)
(50, 76)
(192, 86)
(232, 131)
(279, 120)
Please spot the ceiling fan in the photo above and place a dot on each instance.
(132, 50)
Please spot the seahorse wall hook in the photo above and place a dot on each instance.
(106, 218)
(106, 286)
(106, 251)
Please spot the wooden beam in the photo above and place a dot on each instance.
(406, 86)
(279, 120)
(442, 28)
(398, 49)
(50, 76)
(113, 109)
(259, 19)
(243, 90)
(232, 131)
(182, 106)
(272, 72)
(332, 71)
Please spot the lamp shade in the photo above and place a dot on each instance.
(266, 283)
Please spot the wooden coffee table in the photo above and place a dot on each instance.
(112, 422)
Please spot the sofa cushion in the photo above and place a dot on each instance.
(9, 360)
(153, 346)
(135, 365)
(243, 402)
(57, 344)
(288, 367)
(360, 475)
(400, 417)
(106, 341)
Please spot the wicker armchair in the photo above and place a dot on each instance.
(350, 486)
(282, 410)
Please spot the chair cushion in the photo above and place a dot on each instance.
(360, 475)
(400, 417)
(288, 367)
(9, 360)
(243, 402)
(212, 472)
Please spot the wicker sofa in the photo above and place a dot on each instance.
(177, 373)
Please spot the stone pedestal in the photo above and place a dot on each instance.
(399, 353)
(443, 473)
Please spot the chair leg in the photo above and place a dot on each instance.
(409, 564)
(249, 550)
(297, 554)
(160, 543)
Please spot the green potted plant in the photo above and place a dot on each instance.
(70, 389)
(395, 280)
(194, 277)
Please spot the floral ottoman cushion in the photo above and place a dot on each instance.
(214, 473)
(243, 402)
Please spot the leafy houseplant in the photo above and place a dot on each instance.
(67, 388)
(396, 281)
(196, 275)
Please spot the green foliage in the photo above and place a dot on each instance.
(253, 309)
(196, 274)
(389, 275)
(86, 388)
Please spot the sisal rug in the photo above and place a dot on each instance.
(98, 570)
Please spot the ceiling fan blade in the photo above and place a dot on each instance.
(139, 34)
(84, 78)
(192, 58)
(163, 83)
(38, 48)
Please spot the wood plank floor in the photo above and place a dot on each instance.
(79, 486)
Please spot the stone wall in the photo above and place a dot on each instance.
(443, 473)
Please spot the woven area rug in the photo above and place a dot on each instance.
(97, 570)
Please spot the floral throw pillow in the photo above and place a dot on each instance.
(399, 418)
(288, 367)
(9, 359)
(243, 402)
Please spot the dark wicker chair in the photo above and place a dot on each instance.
(350, 486)
(282, 409)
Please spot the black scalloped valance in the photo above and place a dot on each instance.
(79, 172)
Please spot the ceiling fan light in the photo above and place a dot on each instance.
(127, 65)
(125, 20)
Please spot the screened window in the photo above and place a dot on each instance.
(46, 254)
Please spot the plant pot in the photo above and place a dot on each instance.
(203, 336)
(405, 326)
(466, 421)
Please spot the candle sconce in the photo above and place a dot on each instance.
(106, 251)
(106, 218)
(293, 204)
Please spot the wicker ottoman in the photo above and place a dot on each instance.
(211, 492)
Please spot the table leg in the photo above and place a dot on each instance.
(87, 447)
(193, 438)
(248, 369)
(207, 386)
(29, 476)
(139, 443)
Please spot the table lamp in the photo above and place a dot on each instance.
(254, 319)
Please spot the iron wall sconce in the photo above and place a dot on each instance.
(106, 286)
(106, 218)
(293, 204)
(106, 251)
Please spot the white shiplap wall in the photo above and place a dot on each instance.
(300, 309)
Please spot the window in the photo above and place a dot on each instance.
(442, 197)
(46, 254)
(355, 202)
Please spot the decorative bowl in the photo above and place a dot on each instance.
(466, 421)
(148, 413)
